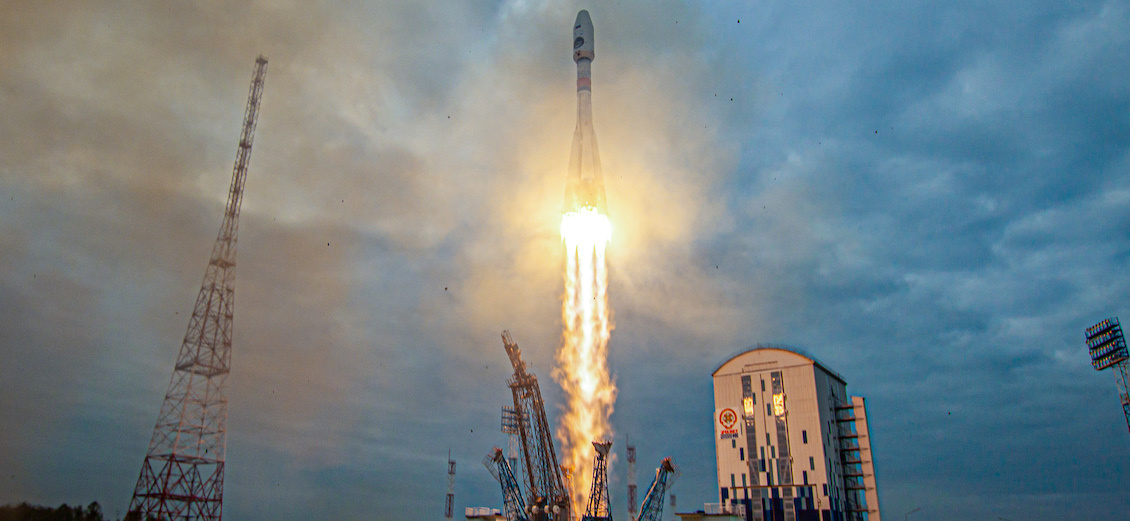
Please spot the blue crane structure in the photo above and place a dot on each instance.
(652, 507)
(514, 506)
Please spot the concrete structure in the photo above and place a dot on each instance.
(791, 444)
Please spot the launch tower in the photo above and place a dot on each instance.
(549, 499)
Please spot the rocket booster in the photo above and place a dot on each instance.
(584, 187)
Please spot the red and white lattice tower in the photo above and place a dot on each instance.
(632, 501)
(182, 477)
(449, 501)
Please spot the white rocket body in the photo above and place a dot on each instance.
(584, 187)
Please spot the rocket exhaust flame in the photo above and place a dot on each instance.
(582, 361)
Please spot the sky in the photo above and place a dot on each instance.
(933, 199)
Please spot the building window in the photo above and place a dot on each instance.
(805, 474)
(732, 483)
(773, 451)
(811, 463)
(825, 490)
(741, 453)
(743, 479)
(763, 386)
(804, 436)
(762, 460)
(733, 444)
(769, 409)
(762, 452)
(767, 439)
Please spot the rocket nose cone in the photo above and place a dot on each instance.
(583, 19)
(582, 37)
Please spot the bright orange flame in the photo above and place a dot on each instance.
(582, 361)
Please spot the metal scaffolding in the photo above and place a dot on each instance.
(599, 508)
(549, 497)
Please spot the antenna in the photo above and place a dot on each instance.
(182, 477)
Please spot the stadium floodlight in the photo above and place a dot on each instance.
(1106, 344)
(1107, 347)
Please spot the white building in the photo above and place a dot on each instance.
(791, 444)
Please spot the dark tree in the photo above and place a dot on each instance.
(26, 512)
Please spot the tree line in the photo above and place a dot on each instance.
(65, 512)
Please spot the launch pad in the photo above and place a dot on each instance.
(545, 495)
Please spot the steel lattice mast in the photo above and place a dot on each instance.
(652, 507)
(513, 505)
(449, 501)
(631, 481)
(182, 477)
(600, 508)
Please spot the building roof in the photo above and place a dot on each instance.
(780, 347)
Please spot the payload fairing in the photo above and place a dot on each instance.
(584, 188)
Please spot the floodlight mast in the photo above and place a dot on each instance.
(1107, 347)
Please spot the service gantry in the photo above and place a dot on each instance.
(652, 507)
(548, 497)
(513, 505)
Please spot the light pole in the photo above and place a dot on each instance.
(1107, 347)
(907, 516)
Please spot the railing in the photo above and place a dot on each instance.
(724, 508)
(481, 511)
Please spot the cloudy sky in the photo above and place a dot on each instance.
(935, 201)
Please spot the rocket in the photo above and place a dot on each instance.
(584, 187)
